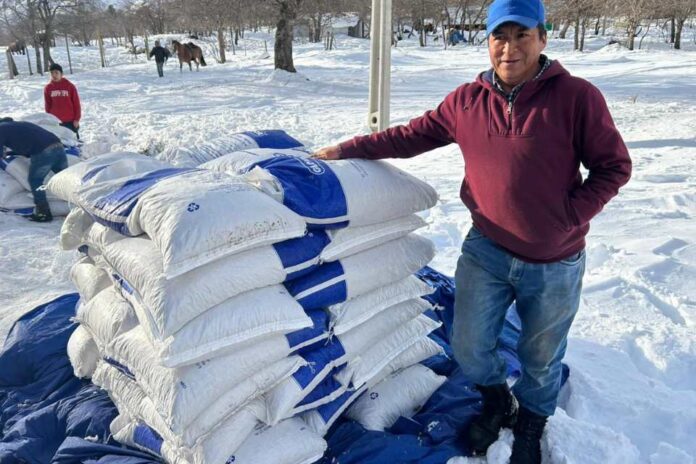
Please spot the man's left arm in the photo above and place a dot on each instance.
(603, 152)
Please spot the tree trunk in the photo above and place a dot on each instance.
(283, 36)
(564, 30)
(46, 43)
(678, 33)
(147, 48)
(100, 41)
(37, 51)
(631, 35)
(583, 28)
(29, 64)
(11, 66)
(221, 44)
(596, 26)
(67, 49)
(576, 38)
(604, 26)
(672, 31)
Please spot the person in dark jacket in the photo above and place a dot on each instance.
(524, 128)
(161, 55)
(46, 154)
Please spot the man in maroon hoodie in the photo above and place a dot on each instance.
(524, 127)
(62, 100)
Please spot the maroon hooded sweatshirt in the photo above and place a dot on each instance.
(522, 182)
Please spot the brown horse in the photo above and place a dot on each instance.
(187, 53)
(18, 46)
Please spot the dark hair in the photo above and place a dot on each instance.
(56, 67)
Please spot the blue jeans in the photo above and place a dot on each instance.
(52, 158)
(547, 296)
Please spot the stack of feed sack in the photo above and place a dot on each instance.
(197, 154)
(183, 316)
(364, 284)
(15, 192)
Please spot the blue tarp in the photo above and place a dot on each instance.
(49, 416)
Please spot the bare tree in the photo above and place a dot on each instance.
(287, 14)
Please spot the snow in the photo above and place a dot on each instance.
(631, 395)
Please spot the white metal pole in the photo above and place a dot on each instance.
(380, 65)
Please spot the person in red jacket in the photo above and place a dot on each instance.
(62, 100)
(524, 128)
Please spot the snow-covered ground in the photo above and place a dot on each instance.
(631, 396)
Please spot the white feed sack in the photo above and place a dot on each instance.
(403, 393)
(9, 188)
(89, 279)
(106, 316)
(67, 137)
(197, 154)
(83, 353)
(238, 161)
(183, 393)
(215, 216)
(289, 442)
(338, 281)
(351, 240)
(321, 418)
(144, 428)
(333, 194)
(46, 119)
(108, 166)
(234, 323)
(171, 303)
(351, 313)
(284, 400)
(363, 368)
(18, 168)
(74, 229)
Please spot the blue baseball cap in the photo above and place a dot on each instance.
(528, 13)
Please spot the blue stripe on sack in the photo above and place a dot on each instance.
(310, 188)
(303, 250)
(5, 161)
(123, 283)
(328, 411)
(273, 138)
(326, 387)
(121, 201)
(333, 294)
(72, 151)
(321, 274)
(317, 360)
(120, 367)
(147, 438)
(93, 173)
(320, 326)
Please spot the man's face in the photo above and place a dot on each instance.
(514, 51)
(56, 75)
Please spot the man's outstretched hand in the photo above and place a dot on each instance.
(328, 153)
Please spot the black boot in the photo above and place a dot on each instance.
(526, 449)
(41, 215)
(499, 410)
